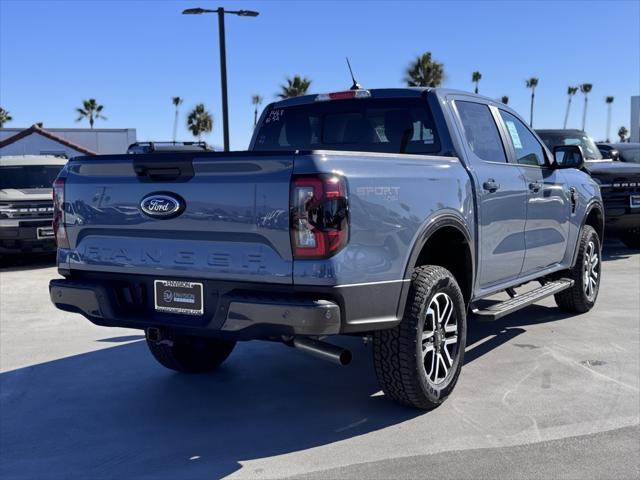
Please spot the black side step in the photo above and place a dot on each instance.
(499, 310)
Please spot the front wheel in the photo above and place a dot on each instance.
(418, 361)
(189, 354)
(586, 274)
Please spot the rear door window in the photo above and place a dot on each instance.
(400, 125)
(481, 132)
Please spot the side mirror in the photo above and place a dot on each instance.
(568, 156)
(614, 155)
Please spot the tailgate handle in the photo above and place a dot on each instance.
(169, 173)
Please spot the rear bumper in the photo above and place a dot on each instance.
(238, 311)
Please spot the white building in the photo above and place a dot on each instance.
(69, 142)
(634, 130)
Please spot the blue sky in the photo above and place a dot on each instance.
(133, 56)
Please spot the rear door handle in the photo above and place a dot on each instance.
(535, 186)
(491, 185)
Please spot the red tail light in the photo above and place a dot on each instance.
(59, 229)
(319, 216)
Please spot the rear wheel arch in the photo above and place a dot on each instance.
(446, 242)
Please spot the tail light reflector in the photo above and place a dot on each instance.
(319, 216)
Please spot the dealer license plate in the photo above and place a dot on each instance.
(176, 296)
(44, 232)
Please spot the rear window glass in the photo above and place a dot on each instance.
(28, 176)
(630, 155)
(402, 125)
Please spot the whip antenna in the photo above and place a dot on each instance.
(356, 85)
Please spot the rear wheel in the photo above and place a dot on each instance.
(418, 362)
(189, 354)
(631, 239)
(586, 274)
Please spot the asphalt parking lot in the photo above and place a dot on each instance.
(542, 395)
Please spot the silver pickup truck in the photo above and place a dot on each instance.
(26, 208)
(385, 214)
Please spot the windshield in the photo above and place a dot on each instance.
(589, 148)
(630, 154)
(398, 125)
(28, 176)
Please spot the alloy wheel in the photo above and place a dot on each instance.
(591, 271)
(439, 338)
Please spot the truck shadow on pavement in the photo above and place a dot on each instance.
(14, 263)
(615, 250)
(507, 329)
(115, 413)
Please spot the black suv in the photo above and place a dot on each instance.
(619, 184)
(624, 152)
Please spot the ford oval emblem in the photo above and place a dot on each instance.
(162, 205)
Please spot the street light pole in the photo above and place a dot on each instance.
(223, 79)
(223, 59)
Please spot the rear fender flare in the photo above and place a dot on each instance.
(428, 229)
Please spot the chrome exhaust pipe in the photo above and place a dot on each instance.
(323, 350)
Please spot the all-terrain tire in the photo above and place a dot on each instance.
(398, 357)
(631, 239)
(576, 299)
(189, 354)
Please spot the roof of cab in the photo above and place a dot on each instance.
(571, 131)
(24, 160)
(402, 92)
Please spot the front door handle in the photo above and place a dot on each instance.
(535, 186)
(491, 185)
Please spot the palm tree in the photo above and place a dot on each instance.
(622, 133)
(295, 87)
(4, 117)
(532, 83)
(199, 121)
(585, 88)
(424, 72)
(256, 100)
(475, 78)
(609, 101)
(177, 101)
(504, 99)
(571, 91)
(90, 110)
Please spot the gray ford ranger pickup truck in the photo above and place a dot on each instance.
(386, 214)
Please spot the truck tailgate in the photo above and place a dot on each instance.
(234, 224)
